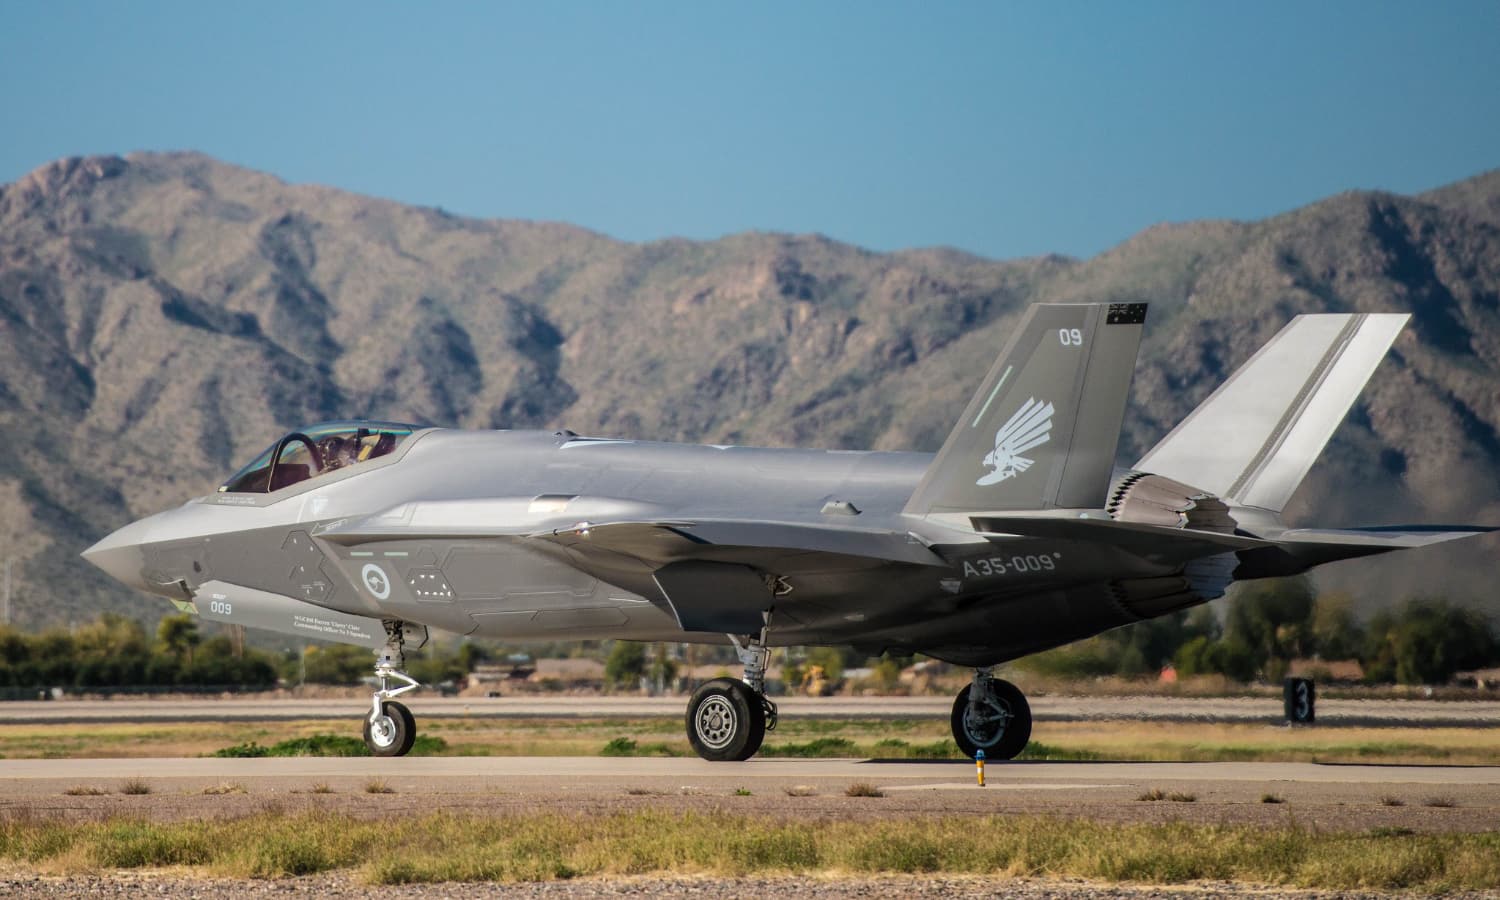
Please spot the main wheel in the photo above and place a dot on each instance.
(1002, 726)
(393, 731)
(726, 720)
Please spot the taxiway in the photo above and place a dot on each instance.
(1332, 713)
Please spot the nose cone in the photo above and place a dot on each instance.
(119, 555)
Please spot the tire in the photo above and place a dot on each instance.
(726, 721)
(394, 734)
(1004, 739)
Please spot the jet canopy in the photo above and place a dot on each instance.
(316, 451)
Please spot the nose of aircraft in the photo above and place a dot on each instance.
(119, 555)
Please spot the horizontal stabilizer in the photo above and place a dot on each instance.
(1153, 542)
(1299, 549)
(1383, 537)
(1255, 438)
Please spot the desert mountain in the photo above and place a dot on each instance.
(165, 316)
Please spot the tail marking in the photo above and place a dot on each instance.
(1029, 427)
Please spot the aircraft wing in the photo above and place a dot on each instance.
(712, 572)
(668, 541)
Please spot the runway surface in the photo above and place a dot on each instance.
(563, 771)
(1333, 797)
(1332, 713)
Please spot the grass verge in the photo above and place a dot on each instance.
(325, 745)
(443, 847)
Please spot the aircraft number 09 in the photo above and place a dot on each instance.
(1015, 565)
(220, 607)
(1070, 337)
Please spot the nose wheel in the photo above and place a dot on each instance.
(991, 715)
(392, 732)
(390, 728)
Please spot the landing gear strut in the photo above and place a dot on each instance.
(728, 718)
(390, 728)
(991, 715)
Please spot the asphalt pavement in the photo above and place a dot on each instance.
(1331, 713)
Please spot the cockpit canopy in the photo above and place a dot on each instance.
(317, 451)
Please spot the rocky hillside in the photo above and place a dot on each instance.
(164, 316)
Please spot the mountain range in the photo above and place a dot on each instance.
(165, 316)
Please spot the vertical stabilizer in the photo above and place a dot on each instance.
(1041, 432)
(1255, 438)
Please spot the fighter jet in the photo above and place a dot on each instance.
(1021, 534)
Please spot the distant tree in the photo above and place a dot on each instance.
(1334, 630)
(1272, 619)
(663, 669)
(887, 672)
(1203, 655)
(338, 664)
(178, 634)
(1426, 641)
(830, 658)
(626, 664)
(1142, 648)
(471, 655)
(111, 650)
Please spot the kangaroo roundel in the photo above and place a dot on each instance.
(1029, 428)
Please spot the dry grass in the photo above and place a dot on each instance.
(135, 786)
(378, 786)
(863, 789)
(85, 790)
(1210, 742)
(1440, 802)
(448, 847)
(1392, 801)
(226, 787)
(321, 787)
(1156, 794)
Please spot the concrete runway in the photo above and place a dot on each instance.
(562, 771)
(1255, 710)
(1329, 797)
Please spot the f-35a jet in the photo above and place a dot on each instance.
(1021, 534)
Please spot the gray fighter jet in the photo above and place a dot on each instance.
(1019, 535)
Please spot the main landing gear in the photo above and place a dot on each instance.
(727, 718)
(991, 715)
(390, 728)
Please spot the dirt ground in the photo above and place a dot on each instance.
(341, 886)
(1326, 806)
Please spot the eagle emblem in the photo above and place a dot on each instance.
(1030, 427)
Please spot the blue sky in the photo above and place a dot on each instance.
(1000, 128)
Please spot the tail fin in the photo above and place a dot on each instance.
(1254, 439)
(1042, 430)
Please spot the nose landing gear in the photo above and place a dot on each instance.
(390, 728)
(991, 715)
